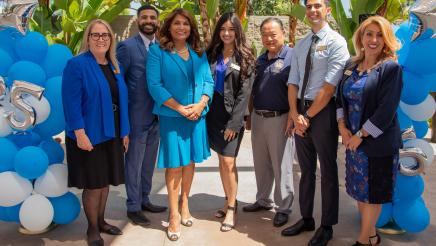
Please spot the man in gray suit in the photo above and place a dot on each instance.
(144, 133)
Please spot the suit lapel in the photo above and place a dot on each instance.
(178, 60)
(141, 45)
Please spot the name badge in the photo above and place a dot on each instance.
(321, 48)
(348, 72)
(235, 66)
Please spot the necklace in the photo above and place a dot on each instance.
(182, 51)
(361, 70)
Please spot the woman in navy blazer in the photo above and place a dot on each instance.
(94, 98)
(179, 80)
(368, 97)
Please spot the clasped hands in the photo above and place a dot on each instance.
(300, 123)
(191, 111)
(350, 141)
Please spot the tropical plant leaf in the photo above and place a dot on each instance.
(61, 4)
(299, 11)
(211, 8)
(110, 14)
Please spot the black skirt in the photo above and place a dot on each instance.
(216, 122)
(96, 169)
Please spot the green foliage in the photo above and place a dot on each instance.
(395, 11)
(65, 20)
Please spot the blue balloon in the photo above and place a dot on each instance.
(8, 37)
(415, 88)
(31, 162)
(385, 215)
(6, 62)
(54, 151)
(8, 150)
(55, 123)
(412, 216)
(405, 121)
(408, 188)
(10, 214)
(27, 71)
(32, 47)
(66, 208)
(404, 35)
(56, 59)
(431, 79)
(24, 139)
(421, 128)
(421, 61)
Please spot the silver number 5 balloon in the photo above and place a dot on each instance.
(2, 86)
(20, 88)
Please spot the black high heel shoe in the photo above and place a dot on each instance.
(225, 227)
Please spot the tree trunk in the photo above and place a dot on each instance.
(205, 26)
(241, 9)
(433, 123)
(293, 21)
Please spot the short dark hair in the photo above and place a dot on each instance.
(147, 6)
(272, 19)
(326, 2)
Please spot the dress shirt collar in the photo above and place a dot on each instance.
(146, 40)
(323, 31)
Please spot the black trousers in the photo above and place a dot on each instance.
(321, 140)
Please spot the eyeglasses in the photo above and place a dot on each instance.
(96, 36)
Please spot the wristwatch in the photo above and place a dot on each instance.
(305, 115)
(359, 134)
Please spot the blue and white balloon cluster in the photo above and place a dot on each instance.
(408, 209)
(33, 179)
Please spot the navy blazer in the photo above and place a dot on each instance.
(380, 100)
(87, 100)
(167, 78)
(132, 56)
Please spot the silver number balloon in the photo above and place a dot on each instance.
(18, 90)
(425, 10)
(2, 86)
(420, 158)
(17, 13)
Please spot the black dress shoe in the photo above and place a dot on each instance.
(150, 207)
(299, 227)
(111, 230)
(98, 242)
(322, 237)
(255, 207)
(138, 218)
(280, 219)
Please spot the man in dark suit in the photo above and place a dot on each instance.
(144, 135)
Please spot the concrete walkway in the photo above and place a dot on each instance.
(206, 198)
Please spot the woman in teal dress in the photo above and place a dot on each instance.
(180, 82)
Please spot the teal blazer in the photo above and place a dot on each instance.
(87, 100)
(167, 78)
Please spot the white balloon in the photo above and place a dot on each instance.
(5, 129)
(424, 146)
(36, 213)
(54, 182)
(421, 111)
(41, 107)
(14, 189)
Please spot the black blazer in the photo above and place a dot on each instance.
(381, 97)
(237, 92)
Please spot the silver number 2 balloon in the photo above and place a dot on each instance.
(20, 88)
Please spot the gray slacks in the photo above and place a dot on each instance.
(268, 142)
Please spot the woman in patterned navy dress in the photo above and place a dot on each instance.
(368, 96)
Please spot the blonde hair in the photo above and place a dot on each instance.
(391, 43)
(111, 53)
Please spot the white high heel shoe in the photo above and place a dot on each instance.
(173, 236)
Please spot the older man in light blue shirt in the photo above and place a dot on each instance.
(316, 68)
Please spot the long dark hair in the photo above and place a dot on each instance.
(165, 39)
(243, 53)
